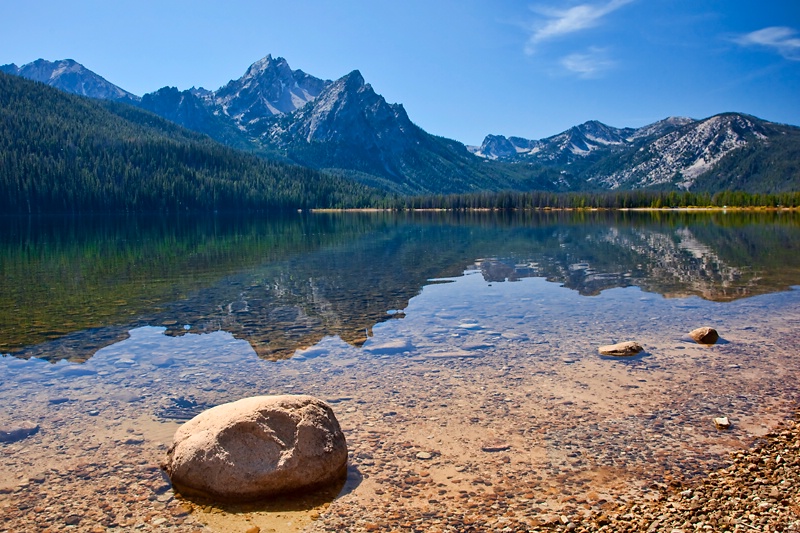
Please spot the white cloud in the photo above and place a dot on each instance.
(588, 65)
(565, 21)
(780, 38)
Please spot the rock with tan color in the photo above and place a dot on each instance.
(621, 348)
(704, 335)
(722, 422)
(256, 448)
(17, 431)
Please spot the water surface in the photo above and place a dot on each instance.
(472, 338)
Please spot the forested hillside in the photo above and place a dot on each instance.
(64, 153)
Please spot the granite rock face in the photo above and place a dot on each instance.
(256, 448)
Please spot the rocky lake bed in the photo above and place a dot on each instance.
(486, 408)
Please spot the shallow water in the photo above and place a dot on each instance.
(472, 339)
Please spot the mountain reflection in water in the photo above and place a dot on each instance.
(70, 287)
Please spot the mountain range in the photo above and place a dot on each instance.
(346, 128)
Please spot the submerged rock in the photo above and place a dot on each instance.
(256, 448)
(704, 335)
(722, 422)
(389, 347)
(621, 348)
(17, 431)
(495, 446)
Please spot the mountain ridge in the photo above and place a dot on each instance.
(676, 152)
(346, 127)
(72, 77)
(63, 153)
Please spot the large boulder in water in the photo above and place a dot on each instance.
(256, 448)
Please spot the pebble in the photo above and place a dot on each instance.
(722, 422)
(495, 446)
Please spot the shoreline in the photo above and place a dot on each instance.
(759, 491)
(689, 209)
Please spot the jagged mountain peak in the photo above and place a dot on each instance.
(345, 90)
(269, 87)
(347, 110)
(72, 77)
(202, 93)
(353, 78)
(266, 64)
(497, 147)
(591, 134)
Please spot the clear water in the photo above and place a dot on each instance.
(472, 338)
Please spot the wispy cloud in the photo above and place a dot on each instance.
(591, 64)
(782, 39)
(561, 22)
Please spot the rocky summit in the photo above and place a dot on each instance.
(71, 77)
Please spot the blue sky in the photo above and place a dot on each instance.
(461, 68)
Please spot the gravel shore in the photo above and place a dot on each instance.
(759, 491)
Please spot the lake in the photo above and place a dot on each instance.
(458, 351)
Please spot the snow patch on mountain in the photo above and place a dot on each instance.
(682, 155)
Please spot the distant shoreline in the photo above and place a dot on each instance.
(535, 209)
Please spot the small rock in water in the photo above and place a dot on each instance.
(496, 446)
(162, 361)
(704, 335)
(389, 347)
(17, 431)
(621, 348)
(77, 371)
(722, 422)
